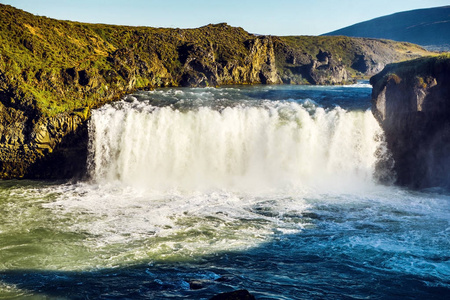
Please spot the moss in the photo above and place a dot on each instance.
(83, 113)
(37, 49)
(394, 78)
(420, 82)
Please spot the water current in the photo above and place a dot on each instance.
(194, 192)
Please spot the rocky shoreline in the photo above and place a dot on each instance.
(52, 73)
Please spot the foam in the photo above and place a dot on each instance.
(245, 148)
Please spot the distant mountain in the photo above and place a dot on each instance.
(426, 27)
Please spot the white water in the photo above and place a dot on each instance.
(162, 176)
(170, 174)
(271, 147)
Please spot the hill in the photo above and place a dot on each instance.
(426, 27)
(52, 73)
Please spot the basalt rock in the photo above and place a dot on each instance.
(55, 147)
(202, 66)
(326, 70)
(411, 101)
(236, 295)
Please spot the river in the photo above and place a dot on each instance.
(285, 191)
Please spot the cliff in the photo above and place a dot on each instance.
(411, 100)
(336, 60)
(52, 73)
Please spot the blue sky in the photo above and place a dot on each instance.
(276, 17)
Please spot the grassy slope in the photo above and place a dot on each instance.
(35, 53)
(57, 66)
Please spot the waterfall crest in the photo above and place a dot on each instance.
(277, 145)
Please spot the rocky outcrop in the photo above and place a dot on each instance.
(53, 147)
(326, 70)
(236, 295)
(411, 101)
(202, 67)
(262, 62)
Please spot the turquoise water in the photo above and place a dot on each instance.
(193, 192)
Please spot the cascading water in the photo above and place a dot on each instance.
(247, 147)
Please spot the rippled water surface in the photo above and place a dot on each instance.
(193, 192)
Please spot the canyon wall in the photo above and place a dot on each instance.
(52, 73)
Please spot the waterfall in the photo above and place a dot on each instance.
(275, 145)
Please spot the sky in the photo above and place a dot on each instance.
(275, 17)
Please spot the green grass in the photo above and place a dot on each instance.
(35, 51)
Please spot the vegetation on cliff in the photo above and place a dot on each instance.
(411, 100)
(58, 66)
(53, 72)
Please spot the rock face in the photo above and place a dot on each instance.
(52, 73)
(326, 70)
(48, 148)
(411, 101)
(202, 66)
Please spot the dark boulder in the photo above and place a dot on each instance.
(197, 284)
(236, 295)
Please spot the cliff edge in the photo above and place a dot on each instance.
(411, 101)
(52, 73)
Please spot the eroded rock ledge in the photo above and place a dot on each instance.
(47, 148)
(411, 101)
